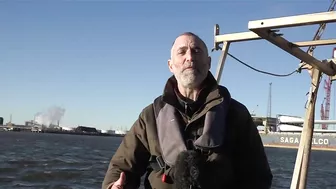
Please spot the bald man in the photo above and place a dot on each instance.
(194, 113)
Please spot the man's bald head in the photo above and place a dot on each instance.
(191, 34)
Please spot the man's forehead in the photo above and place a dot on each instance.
(187, 40)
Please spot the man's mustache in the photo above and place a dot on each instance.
(190, 65)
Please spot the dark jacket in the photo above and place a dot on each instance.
(239, 162)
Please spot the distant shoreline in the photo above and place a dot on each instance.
(69, 133)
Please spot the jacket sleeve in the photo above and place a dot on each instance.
(131, 157)
(253, 162)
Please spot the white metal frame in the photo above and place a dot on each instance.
(267, 29)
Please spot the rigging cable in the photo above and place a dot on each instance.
(264, 72)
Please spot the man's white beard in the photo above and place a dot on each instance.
(191, 78)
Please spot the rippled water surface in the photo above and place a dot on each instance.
(35, 160)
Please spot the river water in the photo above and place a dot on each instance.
(36, 160)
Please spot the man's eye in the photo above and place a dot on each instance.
(197, 50)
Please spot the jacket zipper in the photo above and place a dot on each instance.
(190, 119)
(186, 114)
(197, 113)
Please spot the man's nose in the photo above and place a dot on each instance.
(189, 55)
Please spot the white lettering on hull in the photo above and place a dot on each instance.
(296, 140)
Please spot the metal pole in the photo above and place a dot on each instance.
(222, 59)
(309, 135)
(299, 179)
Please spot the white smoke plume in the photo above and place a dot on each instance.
(53, 115)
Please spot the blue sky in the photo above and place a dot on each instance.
(104, 61)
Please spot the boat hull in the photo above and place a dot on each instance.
(292, 140)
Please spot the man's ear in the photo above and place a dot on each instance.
(170, 66)
(209, 61)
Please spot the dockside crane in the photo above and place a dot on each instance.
(322, 111)
(325, 112)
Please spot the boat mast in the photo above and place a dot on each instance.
(268, 29)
